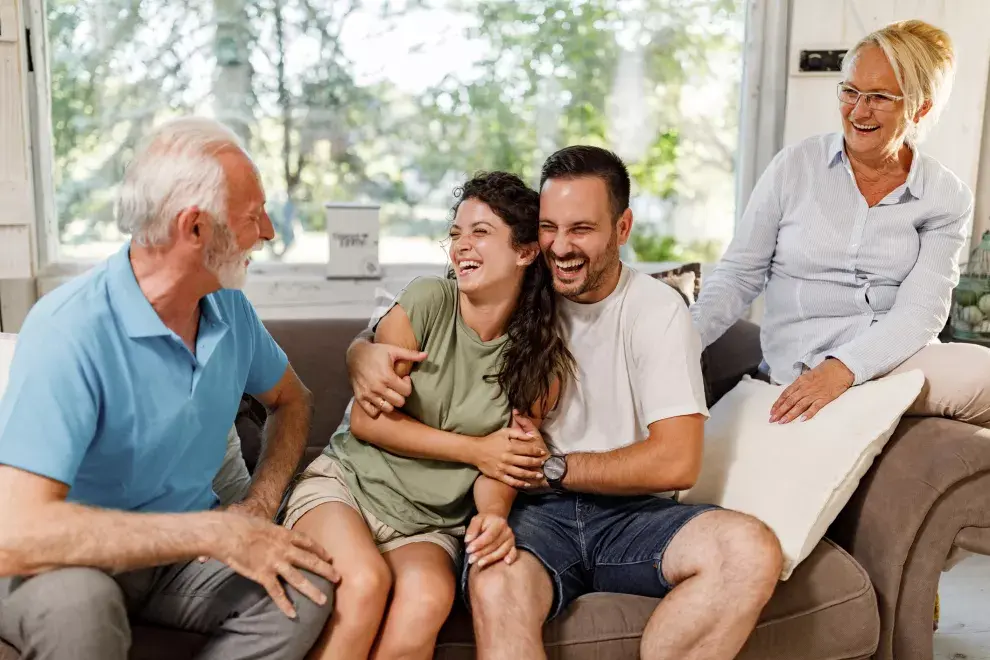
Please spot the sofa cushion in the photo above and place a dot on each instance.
(686, 278)
(796, 477)
(827, 610)
(316, 350)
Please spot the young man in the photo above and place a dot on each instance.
(630, 426)
(123, 387)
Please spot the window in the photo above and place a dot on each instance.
(396, 102)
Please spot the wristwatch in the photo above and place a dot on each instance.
(554, 470)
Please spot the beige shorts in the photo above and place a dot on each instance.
(323, 481)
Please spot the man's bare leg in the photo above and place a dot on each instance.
(725, 566)
(509, 603)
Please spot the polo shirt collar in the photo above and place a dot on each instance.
(136, 314)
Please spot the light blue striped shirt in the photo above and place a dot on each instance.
(869, 286)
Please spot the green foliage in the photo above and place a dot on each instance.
(319, 133)
(652, 247)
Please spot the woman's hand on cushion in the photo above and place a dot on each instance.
(811, 392)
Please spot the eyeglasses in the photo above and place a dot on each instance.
(874, 100)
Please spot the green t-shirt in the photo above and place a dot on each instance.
(414, 495)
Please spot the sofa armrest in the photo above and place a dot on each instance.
(931, 481)
(974, 539)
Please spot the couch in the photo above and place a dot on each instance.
(867, 591)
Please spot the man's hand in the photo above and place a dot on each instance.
(489, 539)
(812, 391)
(246, 507)
(512, 455)
(377, 388)
(264, 552)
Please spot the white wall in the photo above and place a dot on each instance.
(956, 140)
(16, 189)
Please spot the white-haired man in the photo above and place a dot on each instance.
(123, 387)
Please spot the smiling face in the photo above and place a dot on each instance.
(246, 226)
(482, 251)
(869, 130)
(579, 237)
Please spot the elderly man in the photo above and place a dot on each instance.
(122, 390)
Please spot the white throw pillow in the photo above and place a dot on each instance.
(797, 477)
(7, 342)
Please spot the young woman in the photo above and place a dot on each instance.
(390, 496)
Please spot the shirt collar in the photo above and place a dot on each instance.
(836, 153)
(836, 150)
(136, 314)
(916, 181)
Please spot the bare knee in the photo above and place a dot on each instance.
(748, 556)
(524, 583)
(420, 605)
(423, 599)
(364, 587)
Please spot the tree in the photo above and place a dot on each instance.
(568, 58)
(615, 73)
(147, 63)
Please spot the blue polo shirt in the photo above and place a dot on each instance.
(105, 399)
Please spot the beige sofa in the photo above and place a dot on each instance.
(867, 590)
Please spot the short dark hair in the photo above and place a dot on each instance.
(581, 161)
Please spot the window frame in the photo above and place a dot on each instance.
(276, 289)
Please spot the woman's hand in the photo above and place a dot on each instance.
(512, 455)
(489, 539)
(812, 391)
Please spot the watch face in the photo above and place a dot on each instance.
(554, 468)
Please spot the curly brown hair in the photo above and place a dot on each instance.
(535, 355)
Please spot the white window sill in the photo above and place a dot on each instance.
(288, 291)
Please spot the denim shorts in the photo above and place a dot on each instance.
(592, 543)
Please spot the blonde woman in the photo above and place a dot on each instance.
(855, 238)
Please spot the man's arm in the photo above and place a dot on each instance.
(669, 459)
(290, 407)
(40, 455)
(40, 531)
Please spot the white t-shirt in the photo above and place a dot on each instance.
(637, 361)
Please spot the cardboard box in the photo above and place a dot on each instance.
(352, 230)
